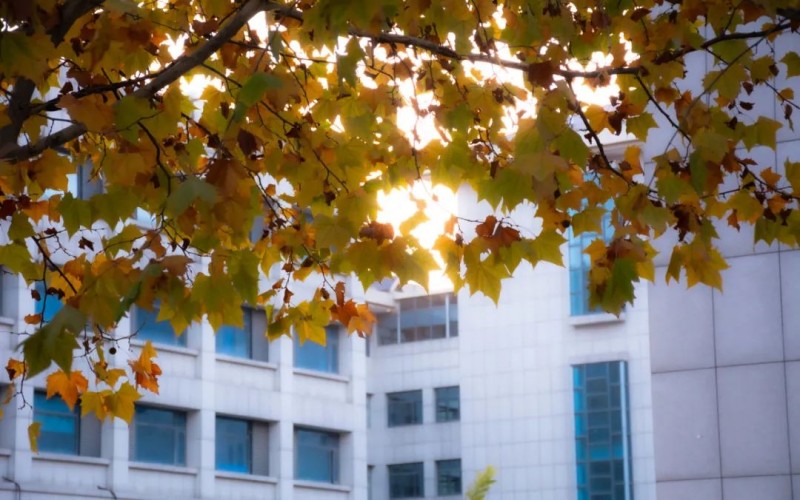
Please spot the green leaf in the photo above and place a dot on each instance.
(187, 192)
(792, 62)
(75, 213)
(547, 246)
(54, 342)
(127, 112)
(243, 270)
(20, 227)
(252, 91)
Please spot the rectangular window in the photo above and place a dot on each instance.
(448, 477)
(448, 404)
(420, 318)
(158, 436)
(369, 411)
(602, 432)
(247, 342)
(322, 358)
(406, 480)
(147, 327)
(404, 408)
(60, 426)
(47, 304)
(234, 438)
(316, 455)
(580, 263)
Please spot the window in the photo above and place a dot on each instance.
(323, 358)
(370, 481)
(158, 436)
(580, 263)
(48, 304)
(234, 445)
(248, 341)
(602, 433)
(420, 318)
(147, 327)
(60, 426)
(448, 404)
(317, 455)
(448, 477)
(406, 480)
(404, 408)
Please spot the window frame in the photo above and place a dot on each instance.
(180, 435)
(393, 404)
(40, 400)
(247, 441)
(602, 430)
(441, 484)
(579, 263)
(390, 326)
(304, 353)
(138, 328)
(334, 450)
(230, 331)
(415, 470)
(441, 396)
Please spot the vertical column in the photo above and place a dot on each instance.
(20, 305)
(358, 396)
(285, 427)
(205, 430)
(115, 442)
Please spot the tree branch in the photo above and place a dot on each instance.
(181, 66)
(17, 113)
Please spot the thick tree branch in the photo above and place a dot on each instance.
(181, 66)
(17, 113)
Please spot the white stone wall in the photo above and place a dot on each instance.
(203, 384)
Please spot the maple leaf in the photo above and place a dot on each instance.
(145, 370)
(15, 368)
(68, 386)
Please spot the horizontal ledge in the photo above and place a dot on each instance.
(175, 469)
(596, 319)
(75, 459)
(167, 348)
(238, 476)
(225, 358)
(323, 375)
(299, 483)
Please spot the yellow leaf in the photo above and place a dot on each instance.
(121, 403)
(92, 401)
(34, 431)
(146, 372)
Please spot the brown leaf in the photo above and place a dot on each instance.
(541, 73)
(486, 228)
(247, 142)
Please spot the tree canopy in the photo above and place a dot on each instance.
(213, 117)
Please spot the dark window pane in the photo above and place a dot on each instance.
(159, 436)
(312, 356)
(159, 332)
(448, 477)
(406, 480)
(404, 408)
(448, 404)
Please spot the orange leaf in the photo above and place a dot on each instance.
(70, 387)
(16, 368)
(146, 371)
(33, 319)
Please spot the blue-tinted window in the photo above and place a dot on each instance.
(60, 426)
(234, 440)
(147, 327)
(406, 480)
(448, 404)
(448, 477)
(322, 358)
(580, 264)
(236, 341)
(48, 304)
(602, 432)
(317, 455)
(404, 408)
(159, 436)
(420, 318)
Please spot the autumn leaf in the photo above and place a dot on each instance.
(145, 370)
(15, 368)
(34, 431)
(69, 387)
